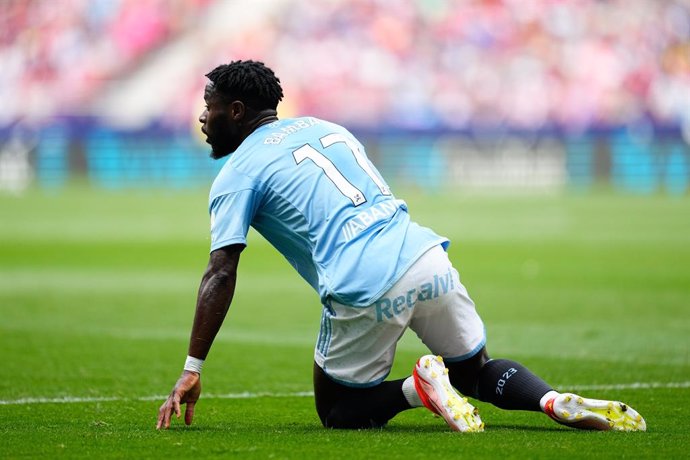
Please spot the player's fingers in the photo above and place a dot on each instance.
(164, 416)
(189, 413)
(176, 406)
(159, 422)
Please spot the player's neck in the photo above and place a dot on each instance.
(262, 118)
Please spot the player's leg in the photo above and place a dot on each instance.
(340, 406)
(504, 383)
(449, 325)
(353, 356)
(510, 385)
(352, 394)
(434, 285)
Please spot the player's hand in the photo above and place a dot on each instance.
(186, 391)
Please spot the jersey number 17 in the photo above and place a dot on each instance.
(341, 183)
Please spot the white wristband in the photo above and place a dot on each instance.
(193, 364)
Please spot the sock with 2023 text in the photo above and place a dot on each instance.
(510, 385)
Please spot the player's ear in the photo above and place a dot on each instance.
(237, 110)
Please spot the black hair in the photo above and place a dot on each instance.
(248, 81)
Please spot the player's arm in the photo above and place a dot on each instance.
(213, 300)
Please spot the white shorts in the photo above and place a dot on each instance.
(356, 345)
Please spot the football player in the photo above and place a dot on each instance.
(307, 186)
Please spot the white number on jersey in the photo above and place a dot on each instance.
(341, 183)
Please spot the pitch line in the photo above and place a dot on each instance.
(93, 399)
(304, 394)
(627, 386)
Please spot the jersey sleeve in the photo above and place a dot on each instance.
(231, 215)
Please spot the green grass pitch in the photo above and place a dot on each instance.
(97, 292)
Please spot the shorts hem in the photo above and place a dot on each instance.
(467, 356)
(356, 385)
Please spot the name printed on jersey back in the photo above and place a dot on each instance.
(368, 217)
(277, 137)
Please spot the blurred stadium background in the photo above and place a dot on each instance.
(477, 94)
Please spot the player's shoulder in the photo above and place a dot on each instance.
(230, 180)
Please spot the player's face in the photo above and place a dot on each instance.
(219, 124)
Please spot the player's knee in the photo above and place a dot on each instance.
(339, 414)
(342, 418)
(336, 419)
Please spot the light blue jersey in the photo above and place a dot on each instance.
(307, 186)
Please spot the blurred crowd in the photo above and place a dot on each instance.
(403, 63)
(527, 63)
(55, 54)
